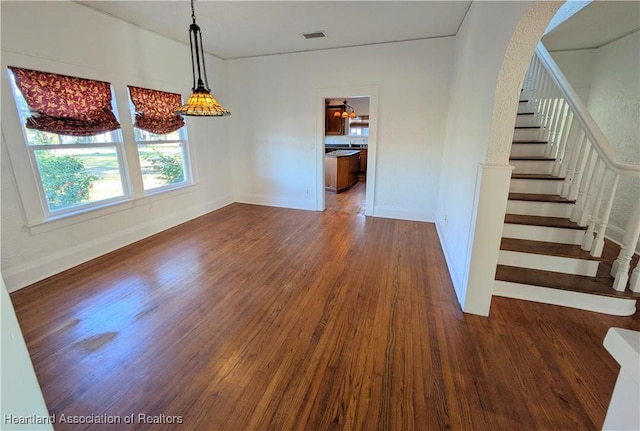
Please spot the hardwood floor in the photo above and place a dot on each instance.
(350, 201)
(258, 318)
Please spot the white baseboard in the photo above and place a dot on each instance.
(565, 298)
(411, 214)
(276, 201)
(35, 270)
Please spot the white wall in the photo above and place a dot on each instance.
(488, 73)
(65, 37)
(470, 110)
(274, 125)
(577, 66)
(20, 396)
(614, 103)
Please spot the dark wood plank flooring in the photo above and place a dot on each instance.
(258, 318)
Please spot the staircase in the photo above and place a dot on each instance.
(553, 247)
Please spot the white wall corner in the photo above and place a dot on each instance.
(456, 278)
(491, 204)
(276, 201)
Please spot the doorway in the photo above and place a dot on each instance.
(354, 132)
(346, 146)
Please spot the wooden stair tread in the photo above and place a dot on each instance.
(550, 177)
(542, 221)
(539, 197)
(557, 280)
(533, 158)
(529, 141)
(546, 248)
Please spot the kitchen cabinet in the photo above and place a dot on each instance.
(363, 161)
(341, 169)
(333, 125)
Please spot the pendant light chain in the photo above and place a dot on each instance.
(201, 103)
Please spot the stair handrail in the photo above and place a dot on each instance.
(591, 129)
(584, 158)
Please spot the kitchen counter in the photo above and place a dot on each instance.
(329, 148)
(341, 169)
(342, 153)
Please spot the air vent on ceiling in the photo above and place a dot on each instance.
(314, 35)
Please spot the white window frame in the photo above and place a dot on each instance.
(46, 214)
(187, 166)
(186, 162)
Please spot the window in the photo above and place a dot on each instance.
(73, 139)
(359, 126)
(76, 150)
(161, 139)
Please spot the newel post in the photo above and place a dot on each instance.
(621, 266)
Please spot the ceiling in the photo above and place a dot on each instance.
(237, 29)
(599, 23)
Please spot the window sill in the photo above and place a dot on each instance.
(164, 193)
(62, 221)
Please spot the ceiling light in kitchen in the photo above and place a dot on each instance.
(347, 111)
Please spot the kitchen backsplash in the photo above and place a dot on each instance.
(345, 140)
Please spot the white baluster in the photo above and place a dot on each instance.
(557, 121)
(548, 133)
(598, 244)
(528, 83)
(634, 283)
(559, 127)
(562, 151)
(620, 268)
(576, 151)
(572, 143)
(544, 132)
(587, 240)
(537, 87)
(548, 85)
(578, 208)
(578, 172)
(586, 208)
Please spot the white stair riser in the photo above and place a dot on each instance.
(566, 298)
(545, 209)
(543, 233)
(566, 265)
(529, 135)
(527, 120)
(526, 107)
(518, 150)
(532, 166)
(545, 187)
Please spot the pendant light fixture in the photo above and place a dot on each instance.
(347, 111)
(201, 103)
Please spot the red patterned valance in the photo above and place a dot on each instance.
(66, 105)
(155, 110)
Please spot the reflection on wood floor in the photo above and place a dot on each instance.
(254, 318)
(349, 201)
